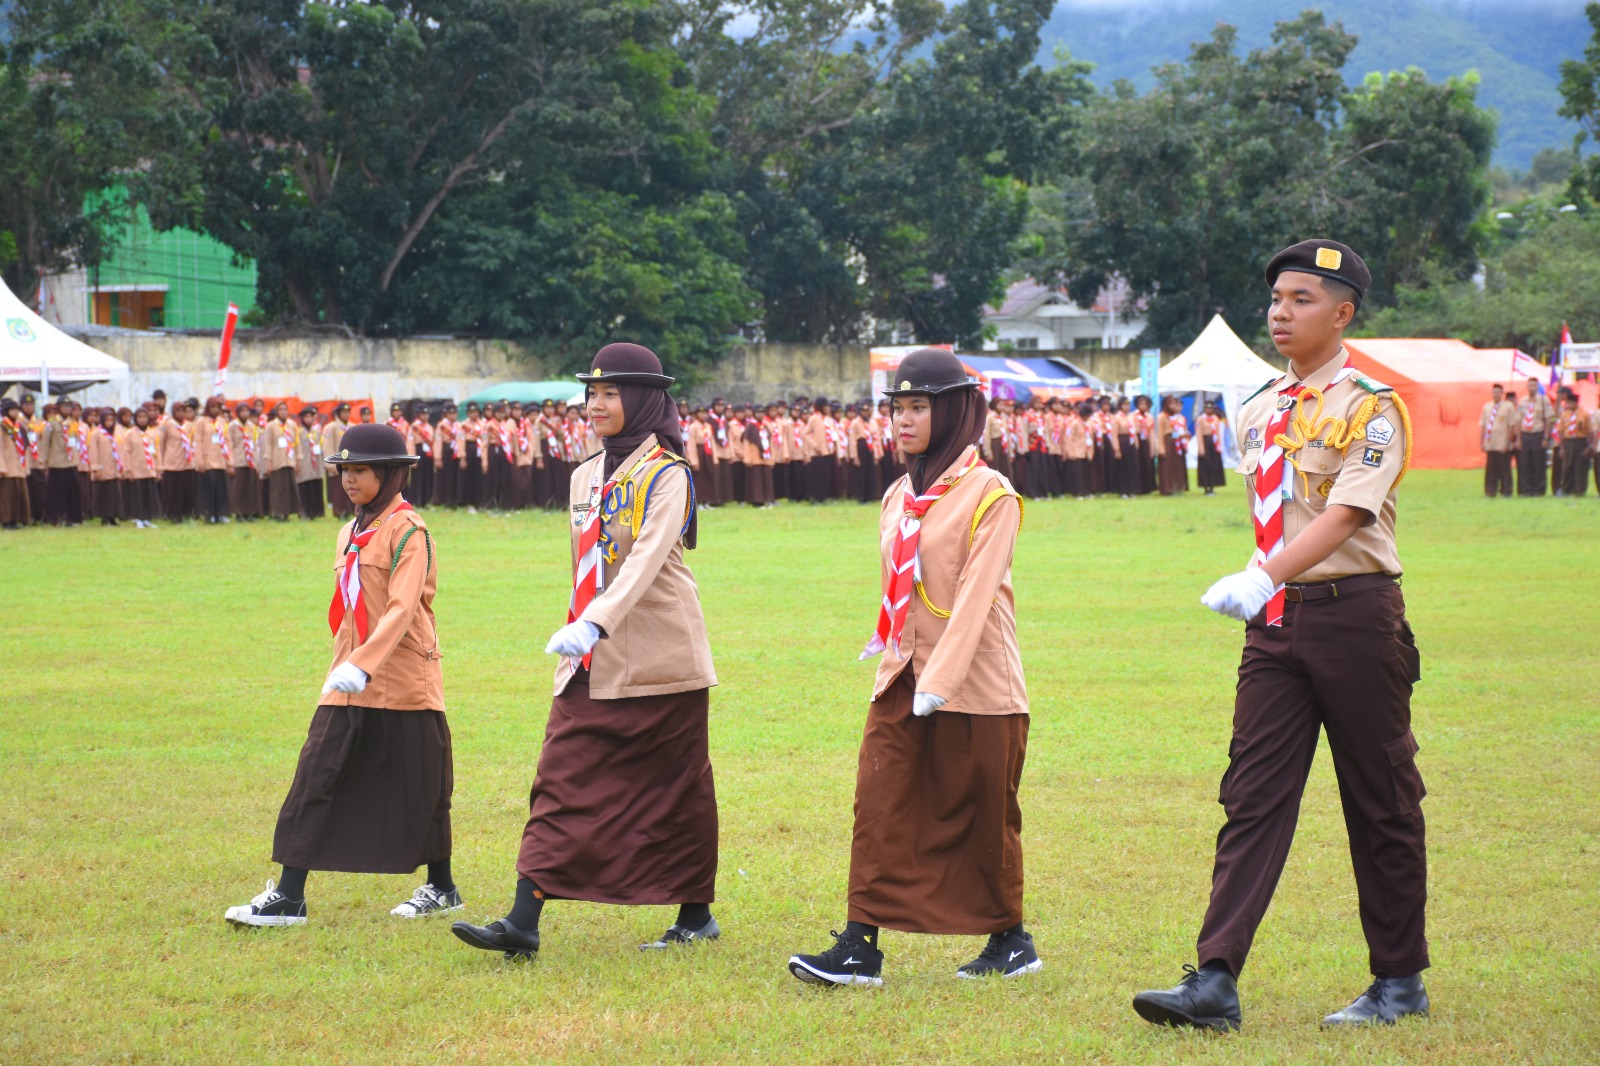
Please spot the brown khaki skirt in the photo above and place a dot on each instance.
(371, 794)
(938, 836)
(623, 807)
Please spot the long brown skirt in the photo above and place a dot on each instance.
(623, 807)
(139, 498)
(244, 492)
(339, 500)
(108, 500)
(938, 835)
(758, 485)
(1173, 468)
(283, 497)
(371, 794)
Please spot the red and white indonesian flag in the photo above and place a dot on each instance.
(227, 348)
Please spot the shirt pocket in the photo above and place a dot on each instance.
(1320, 468)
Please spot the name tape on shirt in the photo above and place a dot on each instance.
(1372, 457)
(1380, 431)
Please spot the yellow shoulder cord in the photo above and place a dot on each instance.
(995, 495)
(1340, 435)
(641, 496)
(1405, 420)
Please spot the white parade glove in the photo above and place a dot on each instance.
(573, 639)
(925, 703)
(1241, 595)
(345, 678)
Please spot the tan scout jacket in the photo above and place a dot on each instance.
(1501, 436)
(655, 634)
(401, 654)
(970, 657)
(1362, 475)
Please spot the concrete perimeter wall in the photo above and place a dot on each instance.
(317, 368)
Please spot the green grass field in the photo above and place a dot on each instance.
(157, 686)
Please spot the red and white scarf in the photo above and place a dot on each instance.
(590, 575)
(905, 563)
(150, 449)
(219, 437)
(1180, 433)
(186, 435)
(116, 452)
(19, 437)
(347, 583)
(1488, 427)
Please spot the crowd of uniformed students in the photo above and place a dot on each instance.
(1554, 445)
(217, 461)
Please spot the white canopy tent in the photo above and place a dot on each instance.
(1218, 361)
(37, 355)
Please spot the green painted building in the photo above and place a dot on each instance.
(177, 279)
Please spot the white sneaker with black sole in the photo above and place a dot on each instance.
(1006, 954)
(427, 900)
(270, 908)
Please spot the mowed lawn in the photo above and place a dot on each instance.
(156, 688)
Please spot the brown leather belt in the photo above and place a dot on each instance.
(1331, 590)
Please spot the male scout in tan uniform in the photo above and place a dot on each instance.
(1534, 416)
(1497, 427)
(1327, 645)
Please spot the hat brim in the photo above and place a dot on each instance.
(1320, 272)
(932, 388)
(659, 381)
(372, 460)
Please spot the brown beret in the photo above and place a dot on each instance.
(1328, 259)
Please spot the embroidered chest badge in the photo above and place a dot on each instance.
(1380, 431)
(1325, 488)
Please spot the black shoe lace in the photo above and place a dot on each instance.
(995, 948)
(1376, 990)
(843, 945)
(1191, 976)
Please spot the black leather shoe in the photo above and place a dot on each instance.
(682, 934)
(1205, 999)
(499, 936)
(1386, 1001)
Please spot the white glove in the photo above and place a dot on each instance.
(345, 678)
(573, 639)
(1241, 595)
(925, 703)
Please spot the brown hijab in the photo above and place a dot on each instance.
(958, 418)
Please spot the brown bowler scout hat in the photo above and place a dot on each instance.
(626, 364)
(928, 371)
(373, 444)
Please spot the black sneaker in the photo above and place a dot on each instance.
(1007, 954)
(682, 934)
(428, 900)
(851, 961)
(270, 908)
(499, 935)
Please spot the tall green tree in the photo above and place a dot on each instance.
(1580, 100)
(88, 100)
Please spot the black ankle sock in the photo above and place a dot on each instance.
(694, 916)
(293, 882)
(1219, 966)
(439, 875)
(1015, 930)
(526, 905)
(866, 932)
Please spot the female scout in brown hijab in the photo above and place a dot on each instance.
(938, 845)
(623, 808)
(371, 793)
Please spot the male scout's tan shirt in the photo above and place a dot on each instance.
(655, 633)
(1361, 475)
(1535, 414)
(401, 653)
(1497, 426)
(971, 657)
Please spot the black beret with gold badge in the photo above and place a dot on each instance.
(1328, 259)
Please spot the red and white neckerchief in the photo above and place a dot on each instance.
(1180, 433)
(33, 444)
(19, 437)
(1528, 410)
(1488, 427)
(503, 433)
(74, 448)
(249, 447)
(552, 439)
(720, 425)
(116, 452)
(219, 437)
(424, 434)
(766, 440)
(905, 563)
(347, 583)
(1572, 423)
(186, 435)
(1216, 434)
(399, 425)
(1275, 486)
(799, 436)
(590, 575)
(262, 420)
(150, 449)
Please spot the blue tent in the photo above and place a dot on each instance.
(1018, 378)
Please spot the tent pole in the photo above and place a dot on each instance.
(44, 383)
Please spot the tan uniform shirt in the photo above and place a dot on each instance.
(1535, 414)
(138, 464)
(1361, 475)
(103, 455)
(54, 446)
(275, 447)
(971, 658)
(36, 428)
(207, 449)
(12, 433)
(242, 442)
(819, 442)
(333, 440)
(1573, 424)
(177, 446)
(655, 633)
(308, 464)
(401, 654)
(1078, 444)
(1206, 429)
(1497, 426)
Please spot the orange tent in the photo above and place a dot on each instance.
(325, 408)
(1444, 384)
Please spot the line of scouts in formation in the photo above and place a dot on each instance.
(218, 461)
(623, 805)
(1554, 446)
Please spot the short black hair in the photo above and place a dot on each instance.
(1341, 292)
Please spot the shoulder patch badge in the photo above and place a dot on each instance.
(1380, 430)
(1372, 457)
